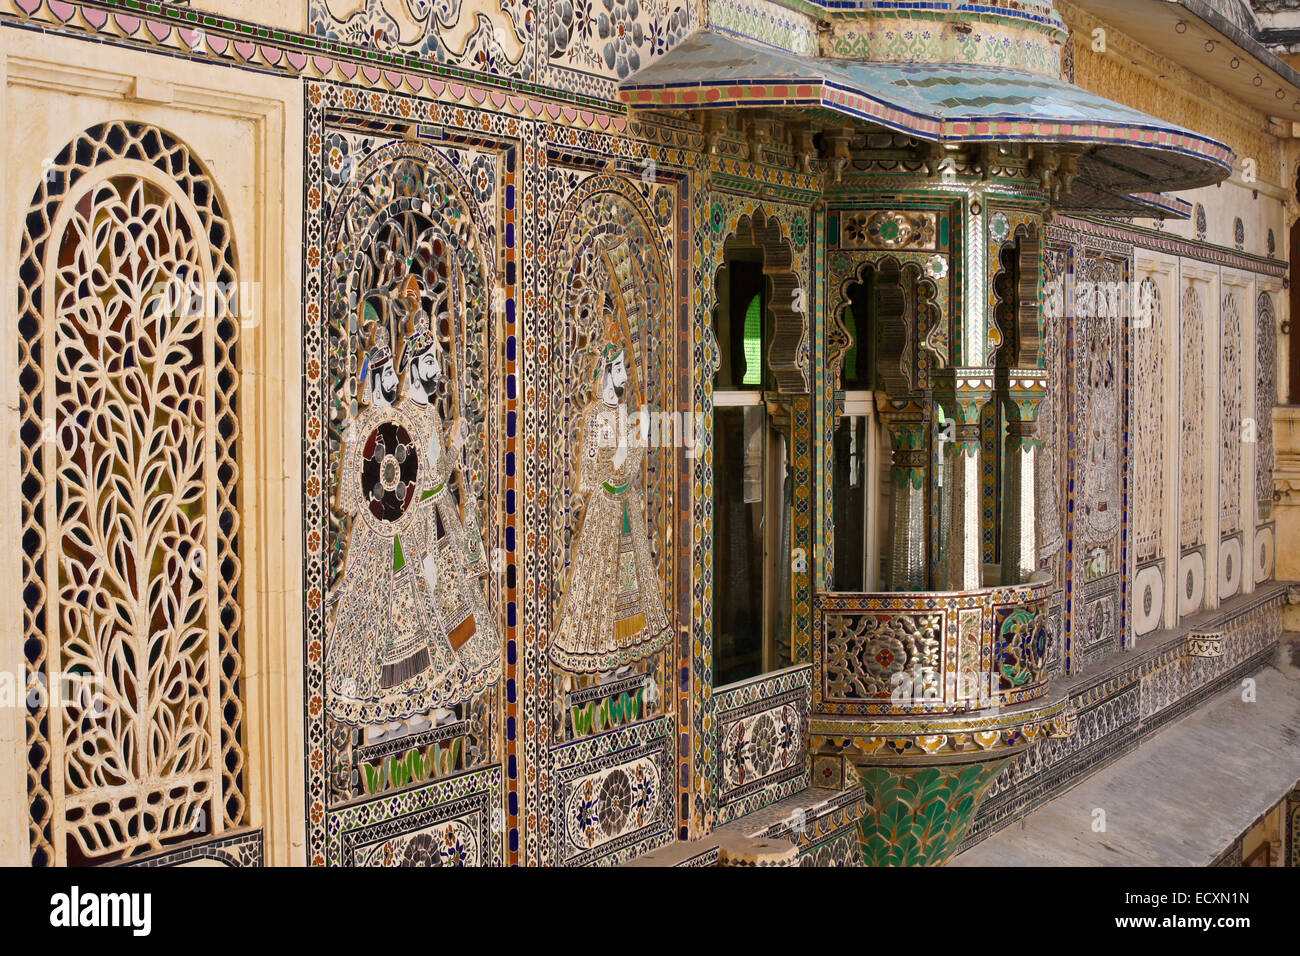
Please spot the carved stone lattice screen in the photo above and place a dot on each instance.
(130, 468)
(1191, 373)
(1230, 417)
(1149, 419)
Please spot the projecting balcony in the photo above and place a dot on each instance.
(931, 652)
(924, 697)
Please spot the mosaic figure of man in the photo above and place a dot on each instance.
(453, 560)
(387, 658)
(612, 612)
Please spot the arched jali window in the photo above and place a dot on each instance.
(128, 317)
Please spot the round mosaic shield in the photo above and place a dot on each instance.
(390, 464)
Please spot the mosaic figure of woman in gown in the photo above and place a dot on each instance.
(388, 658)
(453, 559)
(612, 612)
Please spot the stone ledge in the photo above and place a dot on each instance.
(1129, 700)
(772, 836)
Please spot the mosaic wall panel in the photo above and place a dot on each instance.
(581, 45)
(1265, 399)
(842, 849)
(767, 23)
(409, 291)
(1097, 631)
(488, 36)
(235, 850)
(1148, 416)
(1132, 699)
(607, 592)
(1053, 431)
(762, 741)
(614, 794)
(1099, 357)
(454, 822)
(1230, 414)
(1052, 421)
(1191, 376)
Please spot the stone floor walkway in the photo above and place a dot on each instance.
(1180, 799)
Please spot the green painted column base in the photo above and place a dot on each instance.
(918, 815)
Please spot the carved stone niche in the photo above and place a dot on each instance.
(901, 297)
(789, 327)
(1017, 313)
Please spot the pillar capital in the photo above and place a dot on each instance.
(906, 421)
(1022, 391)
(963, 393)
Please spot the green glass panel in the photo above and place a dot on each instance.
(754, 343)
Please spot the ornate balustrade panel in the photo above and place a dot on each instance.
(901, 654)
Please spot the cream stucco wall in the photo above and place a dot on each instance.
(247, 128)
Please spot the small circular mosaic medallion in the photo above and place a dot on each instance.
(999, 227)
(613, 802)
(936, 266)
(763, 744)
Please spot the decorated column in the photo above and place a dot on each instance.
(962, 392)
(1022, 392)
(907, 421)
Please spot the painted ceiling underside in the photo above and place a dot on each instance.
(1126, 151)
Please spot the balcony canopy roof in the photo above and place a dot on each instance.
(1124, 150)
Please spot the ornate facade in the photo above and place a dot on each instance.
(644, 432)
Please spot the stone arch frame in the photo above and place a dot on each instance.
(904, 334)
(95, 157)
(790, 330)
(792, 405)
(1020, 329)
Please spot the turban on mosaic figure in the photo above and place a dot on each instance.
(612, 612)
(411, 629)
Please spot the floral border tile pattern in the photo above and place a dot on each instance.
(761, 740)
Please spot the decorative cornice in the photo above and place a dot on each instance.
(1064, 228)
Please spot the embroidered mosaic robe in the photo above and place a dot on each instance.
(388, 657)
(451, 540)
(612, 612)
